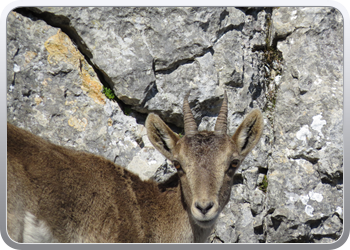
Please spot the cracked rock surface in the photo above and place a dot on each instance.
(288, 62)
(307, 156)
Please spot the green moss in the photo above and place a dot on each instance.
(264, 184)
(273, 61)
(272, 56)
(108, 93)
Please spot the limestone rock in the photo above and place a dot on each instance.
(288, 62)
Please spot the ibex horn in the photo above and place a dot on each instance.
(221, 121)
(189, 122)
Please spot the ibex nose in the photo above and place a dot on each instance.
(204, 207)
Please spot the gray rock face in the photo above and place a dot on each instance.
(288, 62)
(56, 94)
(307, 156)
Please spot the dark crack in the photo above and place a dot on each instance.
(57, 21)
(175, 65)
(312, 160)
(334, 180)
(254, 11)
(150, 92)
(221, 32)
(64, 23)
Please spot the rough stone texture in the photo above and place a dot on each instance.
(285, 61)
(55, 93)
(307, 156)
(148, 51)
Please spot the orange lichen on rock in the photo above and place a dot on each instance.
(29, 56)
(61, 49)
(78, 124)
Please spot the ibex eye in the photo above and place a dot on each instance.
(177, 165)
(234, 163)
(233, 166)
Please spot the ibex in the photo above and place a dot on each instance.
(55, 194)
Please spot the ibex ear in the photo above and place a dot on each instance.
(249, 132)
(161, 136)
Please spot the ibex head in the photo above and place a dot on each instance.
(206, 161)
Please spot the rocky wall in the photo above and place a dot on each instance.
(288, 62)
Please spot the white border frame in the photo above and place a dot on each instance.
(7, 5)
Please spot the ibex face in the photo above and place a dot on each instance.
(206, 161)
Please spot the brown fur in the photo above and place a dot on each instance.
(81, 197)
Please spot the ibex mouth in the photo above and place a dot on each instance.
(206, 223)
(205, 214)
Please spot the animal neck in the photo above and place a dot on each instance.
(200, 234)
(170, 217)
